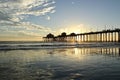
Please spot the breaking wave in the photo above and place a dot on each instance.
(41, 45)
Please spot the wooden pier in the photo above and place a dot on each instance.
(99, 36)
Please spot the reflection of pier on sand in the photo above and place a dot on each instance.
(108, 51)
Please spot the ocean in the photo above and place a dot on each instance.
(59, 61)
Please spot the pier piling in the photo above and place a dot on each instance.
(99, 36)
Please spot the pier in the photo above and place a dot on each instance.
(98, 36)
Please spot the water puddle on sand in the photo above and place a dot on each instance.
(61, 64)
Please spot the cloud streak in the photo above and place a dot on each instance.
(13, 13)
(20, 8)
(25, 28)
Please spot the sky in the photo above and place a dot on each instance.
(30, 20)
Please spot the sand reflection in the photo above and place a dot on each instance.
(52, 64)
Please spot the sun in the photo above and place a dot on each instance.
(81, 28)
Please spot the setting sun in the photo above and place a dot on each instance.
(81, 28)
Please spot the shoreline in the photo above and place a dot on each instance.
(55, 45)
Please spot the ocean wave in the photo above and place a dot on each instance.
(15, 46)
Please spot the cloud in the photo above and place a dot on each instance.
(13, 13)
(25, 28)
(15, 10)
(4, 16)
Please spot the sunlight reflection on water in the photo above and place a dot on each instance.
(61, 64)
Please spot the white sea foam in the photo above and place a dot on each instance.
(41, 45)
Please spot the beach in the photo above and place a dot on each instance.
(59, 39)
(59, 63)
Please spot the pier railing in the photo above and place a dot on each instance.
(98, 36)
